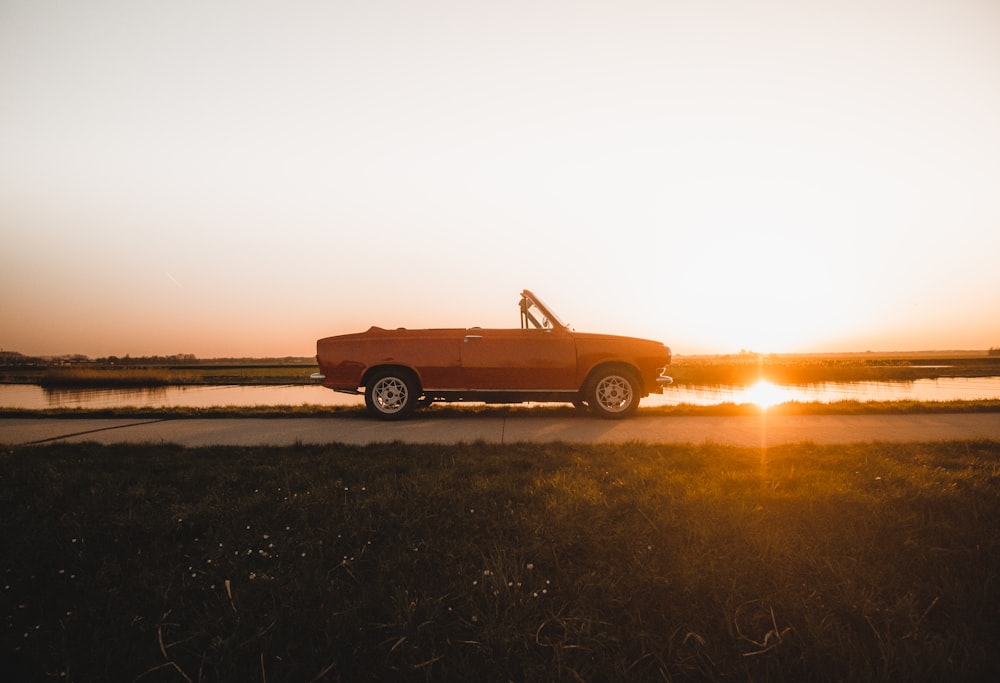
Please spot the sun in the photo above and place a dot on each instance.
(764, 394)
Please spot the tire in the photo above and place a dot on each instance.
(613, 393)
(392, 394)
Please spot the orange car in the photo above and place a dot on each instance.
(543, 360)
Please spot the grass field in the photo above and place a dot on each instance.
(68, 377)
(741, 369)
(446, 411)
(871, 562)
(794, 369)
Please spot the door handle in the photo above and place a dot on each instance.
(472, 337)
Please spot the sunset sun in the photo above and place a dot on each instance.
(764, 394)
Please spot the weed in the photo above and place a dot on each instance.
(872, 562)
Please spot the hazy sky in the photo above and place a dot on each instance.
(240, 178)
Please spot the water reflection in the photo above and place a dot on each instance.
(104, 398)
(763, 393)
(766, 394)
(33, 397)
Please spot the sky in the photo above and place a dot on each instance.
(241, 178)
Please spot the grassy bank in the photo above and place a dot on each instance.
(738, 370)
(464, 411)
(114, 377)
(875, 562)
(746, 369)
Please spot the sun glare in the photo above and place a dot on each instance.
(764, 394)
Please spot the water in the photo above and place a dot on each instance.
(765, 393)
(32, 397)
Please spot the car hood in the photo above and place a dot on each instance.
(593, 336)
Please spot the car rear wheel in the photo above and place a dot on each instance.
(614, 393)
(392, 394)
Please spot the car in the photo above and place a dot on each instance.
(544, 360)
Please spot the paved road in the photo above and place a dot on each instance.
(740, 431)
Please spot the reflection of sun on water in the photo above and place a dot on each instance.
(764, 394)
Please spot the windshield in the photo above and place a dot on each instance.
(536, 315)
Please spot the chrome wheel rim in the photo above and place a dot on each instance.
(389, 394)
(614, 394)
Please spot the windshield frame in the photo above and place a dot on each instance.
(528, 301)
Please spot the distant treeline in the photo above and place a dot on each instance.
(13, 359)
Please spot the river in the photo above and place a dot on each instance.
(32, 397)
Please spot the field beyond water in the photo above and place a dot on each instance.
(735, 369)
(869, 562)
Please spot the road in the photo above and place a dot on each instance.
(753, 431)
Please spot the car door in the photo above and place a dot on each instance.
(516, 360)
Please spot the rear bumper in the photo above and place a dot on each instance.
(664, 379)
(317, 375)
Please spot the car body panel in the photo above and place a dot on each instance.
(544, 360)
(433, 354)
(511, 360)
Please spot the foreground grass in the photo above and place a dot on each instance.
(876, 562)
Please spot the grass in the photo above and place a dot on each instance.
(868, 562)
(746, 369)
(734, 370)
(485, 410)
(155, 376)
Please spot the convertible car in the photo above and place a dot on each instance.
(543, 360)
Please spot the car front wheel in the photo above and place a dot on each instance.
(392, 394)
(614, 393)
